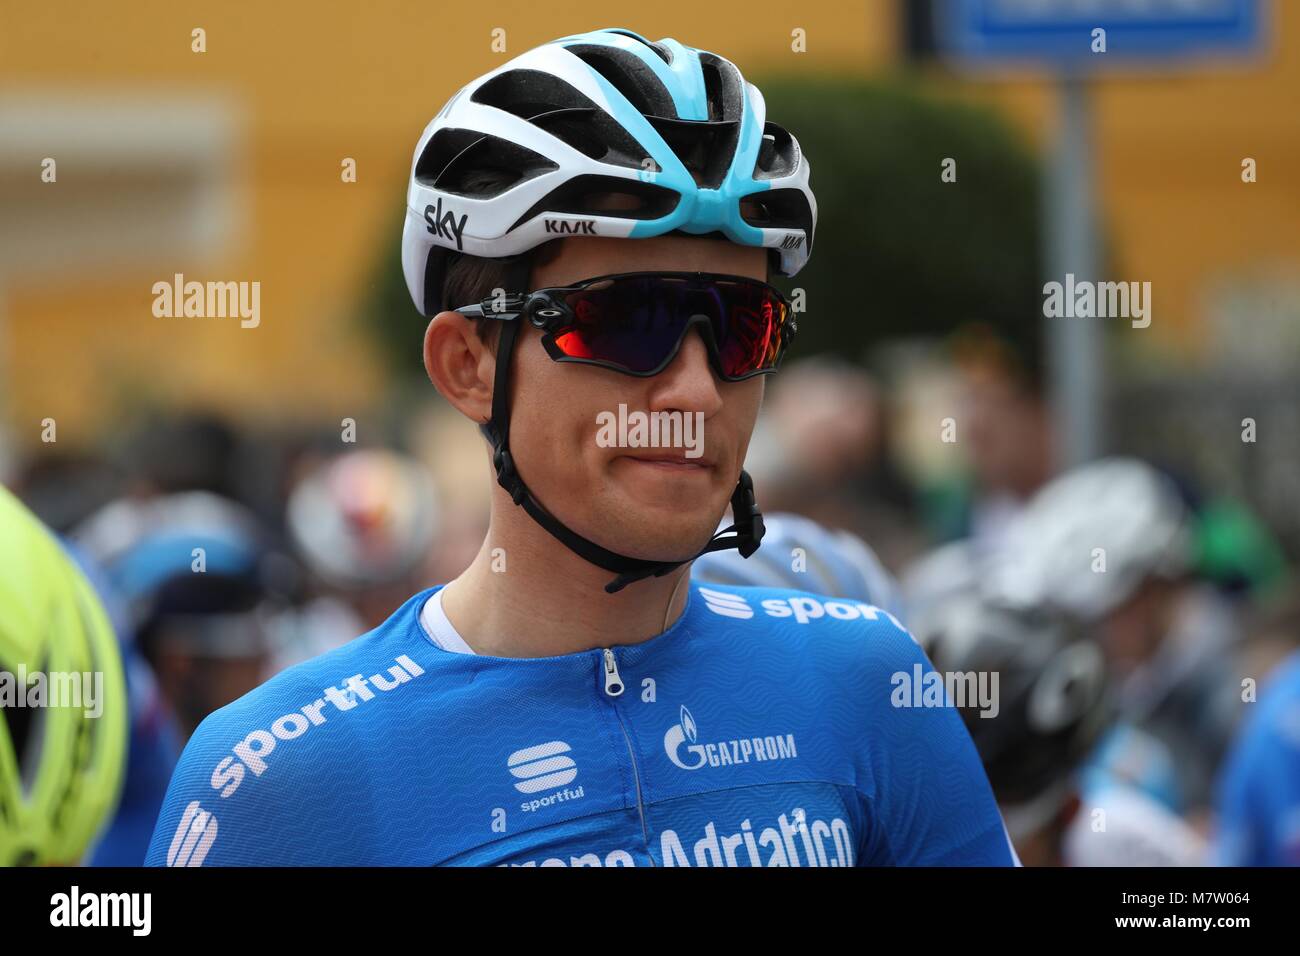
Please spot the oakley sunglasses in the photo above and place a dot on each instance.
(635, 322)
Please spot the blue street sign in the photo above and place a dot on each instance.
(1062, 31)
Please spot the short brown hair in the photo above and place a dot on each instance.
(470, 279)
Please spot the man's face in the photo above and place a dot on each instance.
(646, 502)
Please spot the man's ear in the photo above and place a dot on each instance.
(460, 365)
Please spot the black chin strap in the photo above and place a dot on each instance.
(744, 534)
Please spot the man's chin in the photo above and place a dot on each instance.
(665, 484)
(670, 533)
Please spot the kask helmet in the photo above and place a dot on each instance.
(602, 134)
(61, 763)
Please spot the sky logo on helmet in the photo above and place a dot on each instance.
(444, 224)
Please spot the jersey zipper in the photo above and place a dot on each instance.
(613, 689)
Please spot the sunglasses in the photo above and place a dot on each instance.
(635, 322)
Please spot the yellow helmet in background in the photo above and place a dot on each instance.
(63, 736)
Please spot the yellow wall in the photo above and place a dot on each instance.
(311, 83)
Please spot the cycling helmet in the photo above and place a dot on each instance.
(674, 134)
(1123, 506)
(147, 550)
(601, 134)
(61, 765)
(1052, 697)
(364, 518)
(837, 563)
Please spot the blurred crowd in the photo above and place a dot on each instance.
(1134, 631)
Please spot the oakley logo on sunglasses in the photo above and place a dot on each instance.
(444, 224)
(582, 227)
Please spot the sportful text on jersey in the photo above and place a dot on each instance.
(756, 731)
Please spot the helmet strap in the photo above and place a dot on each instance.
(744, 534)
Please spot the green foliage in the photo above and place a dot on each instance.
(387, 312)
(898, 251)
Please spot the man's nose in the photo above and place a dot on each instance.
(695, 347)
(688, 382)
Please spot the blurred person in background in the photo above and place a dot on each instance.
(61, 762)
(194, 451)
(820, 450)
(799, 553)
(153, 743)
(364, 524)
(201, 585)
(1048, 713)
(63, 489)
(1257, 796)
(1006, 434)
(1112, 544)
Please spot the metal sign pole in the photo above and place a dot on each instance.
(1074, 344)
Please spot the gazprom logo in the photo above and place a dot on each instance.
(726, 603)
(543, 767)
(683, 749)
(678, 734)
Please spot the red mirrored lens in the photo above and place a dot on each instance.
(636, 323)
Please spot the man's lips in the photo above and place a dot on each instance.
(672, 461)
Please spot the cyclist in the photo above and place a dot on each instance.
(61, 765)
(199, 583)
(363, 523)
(1037, 731)
(1112, 545)
(571, 699)
(1258, 789)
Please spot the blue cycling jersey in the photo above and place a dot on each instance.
(1259, 786)
(766, 727)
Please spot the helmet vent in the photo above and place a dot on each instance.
(630, 75)
(664, 53)
(562, 110)
(778, 209)
(723, 88)
(455, 160)
(778, 156)
(705, 148)
(605, 196)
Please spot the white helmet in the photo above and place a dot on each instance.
(673, 135)
(1130, 511)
